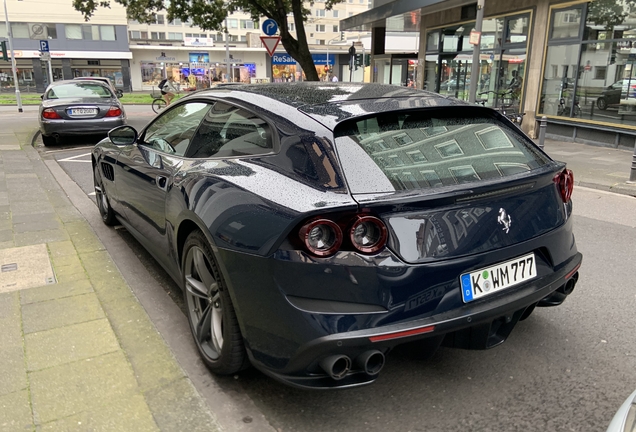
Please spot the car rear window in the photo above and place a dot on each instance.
(419, 150)
(79, 90)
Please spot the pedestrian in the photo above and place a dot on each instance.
(334, 79)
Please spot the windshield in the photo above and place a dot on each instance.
(423, 150)
(79, 90)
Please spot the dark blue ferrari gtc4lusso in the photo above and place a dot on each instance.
(313, 227)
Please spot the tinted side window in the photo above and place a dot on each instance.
(228, 131)
(173, 131)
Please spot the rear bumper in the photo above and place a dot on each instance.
(295, 311)
(482, 325)
(80, 126)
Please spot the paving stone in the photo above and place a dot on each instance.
(7, 245)
(148, 353)
(72, 388)
(60, 312)
(127, 414)
(38, 237)
(31, 207)
(25, 175)
(5, 224)
(37, 226)
(58, 198)
(12, 367)
(83, 237)
(15, 412)
(6, 235)
(61, 248)
(69, 214)
(104, 275)
(68, 344)
(178, 407)
(38, 217)
(55, 291)
(67, 260)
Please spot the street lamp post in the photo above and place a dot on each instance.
(227, 51)
(13, 65)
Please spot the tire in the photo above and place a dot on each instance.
(48, 140)
(158, 105)
(210, 310)
(601, 103)
(103, 204)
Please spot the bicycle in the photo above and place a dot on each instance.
(159, 103)
(515, 117)
(563, 110)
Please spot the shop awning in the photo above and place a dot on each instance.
(398, 15)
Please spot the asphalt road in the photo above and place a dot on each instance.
(564, 369)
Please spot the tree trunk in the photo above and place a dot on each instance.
(298, 49)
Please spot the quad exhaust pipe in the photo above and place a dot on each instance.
(336, 366)
(371, 362)
(568, 287)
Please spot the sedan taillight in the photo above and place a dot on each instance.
(50, 113)
(113, 112)
(323, 237)
(565, 183)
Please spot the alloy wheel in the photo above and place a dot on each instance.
(204, 302)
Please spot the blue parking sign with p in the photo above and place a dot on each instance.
(44, 46)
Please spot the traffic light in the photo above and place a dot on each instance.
(342, 36)
(367, 60)
(358, 61)
(3, 45)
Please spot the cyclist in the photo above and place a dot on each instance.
(168, 90)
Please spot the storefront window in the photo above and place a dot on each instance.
(432, 41)
(561, 66)
(491, 32)
(566, 23)
(517, 29)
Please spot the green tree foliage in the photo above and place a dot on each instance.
(210, 15)
(609, 13)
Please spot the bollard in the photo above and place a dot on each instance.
(543, 125)
(632, 175)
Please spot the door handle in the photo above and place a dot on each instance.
(162, 182)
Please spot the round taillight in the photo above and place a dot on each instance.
(368, 234)
(565, 183)
(322, 237)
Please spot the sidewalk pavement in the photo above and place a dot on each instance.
(596, 167)
(77, 350)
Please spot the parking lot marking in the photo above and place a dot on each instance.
(74, 158)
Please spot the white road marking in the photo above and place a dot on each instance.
(73, 158)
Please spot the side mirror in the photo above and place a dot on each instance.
(42, 96)
(123, 135)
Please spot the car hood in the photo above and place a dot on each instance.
(52, 103)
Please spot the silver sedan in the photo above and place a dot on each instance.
(78, 107)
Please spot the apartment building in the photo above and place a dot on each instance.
(78, 48)
(194, 56)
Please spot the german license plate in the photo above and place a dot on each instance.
(83, 111)
(498, 277)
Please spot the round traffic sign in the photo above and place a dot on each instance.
(270, 27)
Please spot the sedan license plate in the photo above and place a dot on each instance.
(498, 277)
(83, 111)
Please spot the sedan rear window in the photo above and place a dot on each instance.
(79, 90)
(405, 151)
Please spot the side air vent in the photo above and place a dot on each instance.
(107, 169)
